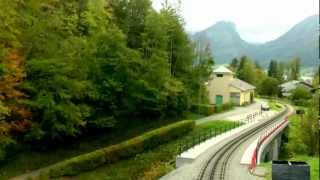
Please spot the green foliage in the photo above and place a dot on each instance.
(295, 69)
(7, 146)
(224, 107)
(246, 70)
(300, 96)
(119, 151)
(269, 87)
(304, 131)
(203, 109)
(276, 70)
(90, 64)
(152, 164)
(234, 64)
(4, 111)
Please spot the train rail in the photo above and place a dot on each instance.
(215, 167)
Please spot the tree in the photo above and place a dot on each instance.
(269, 87)
(276, 70)
(59, 83)
(295, 69)
(130, 16)
(273, 69)
(304, 131)
(246, 70)
(12, 68)
(234, 64)
(300, 96)
(83, 65)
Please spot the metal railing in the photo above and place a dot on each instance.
(203, 136)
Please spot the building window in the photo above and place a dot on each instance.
(219, 75)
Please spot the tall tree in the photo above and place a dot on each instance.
(234, 64)
(246, 70)
(130, 16)
(273, 69)
(295, 69)
(12, 67)
(276, 70)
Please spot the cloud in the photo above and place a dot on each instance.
(256, 20)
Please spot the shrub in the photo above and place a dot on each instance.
(204, 109)
(7, 145)
(300, 96)
(224, 107)
(117, 152)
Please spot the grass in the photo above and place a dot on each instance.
(194, 116)
(313, 162)
(274, 105)
(267, 166)
(151, 164)
(29, 159)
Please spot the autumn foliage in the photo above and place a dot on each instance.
(10, 93)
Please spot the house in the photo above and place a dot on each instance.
(307, 79)
(288, 87)
(224, 88)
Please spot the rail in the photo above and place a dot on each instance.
(263, 138)
(230, 146)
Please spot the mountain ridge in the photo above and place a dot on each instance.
(299, 41)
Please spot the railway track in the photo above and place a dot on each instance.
(215, 167)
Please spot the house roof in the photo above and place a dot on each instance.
(288, 86)
(223, 70)
(242, 85)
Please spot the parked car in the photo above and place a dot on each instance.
(265, 107)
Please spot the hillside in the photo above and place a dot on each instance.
(300, 41)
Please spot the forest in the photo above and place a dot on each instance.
(71, 67)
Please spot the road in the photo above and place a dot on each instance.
(233, 169)
(231, 114)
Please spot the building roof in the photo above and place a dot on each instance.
(288, 86)
(242, 85)
(223, 70)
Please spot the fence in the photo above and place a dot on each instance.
(203, 136)
(261, 140)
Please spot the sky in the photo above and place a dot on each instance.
(257, 21)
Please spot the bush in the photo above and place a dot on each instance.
(300, 96)
(269, 87)
(204, 109)
(224, 107)
(7, 145)
(117, 152)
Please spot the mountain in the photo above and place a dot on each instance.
(300, 41)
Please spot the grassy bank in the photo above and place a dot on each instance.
(29, 159)
(151, 164)
(275, 105)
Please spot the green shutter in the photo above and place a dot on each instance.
(219, 100)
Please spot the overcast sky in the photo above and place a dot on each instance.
(256, 20)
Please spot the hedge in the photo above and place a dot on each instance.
(224, 107)
(204, 109)
(117, 152)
